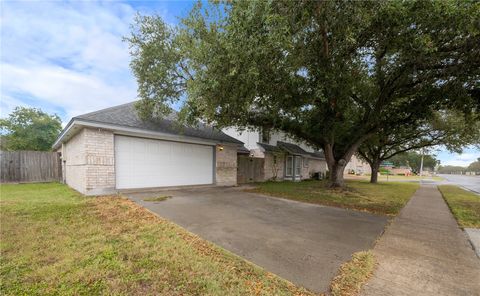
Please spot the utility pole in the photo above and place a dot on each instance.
(421, 165)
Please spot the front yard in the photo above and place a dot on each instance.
(465, 205)
(383, 198)
(54, 241)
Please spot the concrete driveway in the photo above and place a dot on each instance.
(300, 242)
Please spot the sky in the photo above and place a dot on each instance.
(68, 57)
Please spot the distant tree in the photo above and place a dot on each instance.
(449, 129)
(29, 129)
(413, 160)
(451, 169)
(474, 166)
(331, 73)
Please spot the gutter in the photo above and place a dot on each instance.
(133, 131)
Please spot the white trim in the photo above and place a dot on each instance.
(286, 168)
(136, 132)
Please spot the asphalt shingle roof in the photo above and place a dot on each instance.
(317, 154)
(292, 148)
(270, 148)
(126, 115)
(243, 150)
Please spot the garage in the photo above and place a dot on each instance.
(144, 163)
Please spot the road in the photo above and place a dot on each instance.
(469, 182)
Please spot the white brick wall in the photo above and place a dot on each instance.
(100, 159)
(74, 162)
(315, 166)
(226, 166)
(90, 162)
(270, 166)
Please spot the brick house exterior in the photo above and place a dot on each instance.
(90, 154)
(283, 158)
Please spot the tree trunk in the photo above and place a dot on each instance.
(336, 176)
(337, 166)
(375, 166)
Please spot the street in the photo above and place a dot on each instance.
(469, 182)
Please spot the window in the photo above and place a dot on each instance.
(289, 166)
(274, 159)
(298, 165)
(265, 136)
(305, 162)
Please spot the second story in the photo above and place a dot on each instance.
(253, 138)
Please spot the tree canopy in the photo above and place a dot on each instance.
(29, 129)
(330, 73)
(447, 129)
(413, 160)
(475, 166)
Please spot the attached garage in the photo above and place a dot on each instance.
(143, 163)
(114, 149)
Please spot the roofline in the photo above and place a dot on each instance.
(133, 130)
(105, 109)
(314, 157)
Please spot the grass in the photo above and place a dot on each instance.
(56, 242)
(158, 198)
(383, 198)
(353, 274)
(464, 205)
(396, 178)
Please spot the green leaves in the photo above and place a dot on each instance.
(331, 73)
(29, 129)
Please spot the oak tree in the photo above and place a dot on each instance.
(330, 73)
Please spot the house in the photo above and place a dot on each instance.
(402, 170)
(113, 149)
(356, 166)
(272, 155)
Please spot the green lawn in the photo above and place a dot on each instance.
(56, 242)
(465, 205)
(382, 198)
(396, 178)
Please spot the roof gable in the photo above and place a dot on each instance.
(126, 116)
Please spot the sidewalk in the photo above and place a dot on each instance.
(424, 252)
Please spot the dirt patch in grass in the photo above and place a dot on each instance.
(464, 205)
(54, 241)
(353, 274)
(382, 198)
(157, 198)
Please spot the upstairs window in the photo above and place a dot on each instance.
(265, 136)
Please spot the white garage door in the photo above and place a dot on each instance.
(141, 163)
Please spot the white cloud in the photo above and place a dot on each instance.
(76, 92)
(463, 159)
(68, 55)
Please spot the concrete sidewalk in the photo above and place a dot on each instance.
(424, 252)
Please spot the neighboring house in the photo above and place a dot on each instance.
(357, 166)
(275, 156)
(402, 170)
(112, 149)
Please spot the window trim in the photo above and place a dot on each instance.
(287, 159)
(298, 165)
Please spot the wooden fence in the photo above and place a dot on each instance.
(30, 166)
(249, 169)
